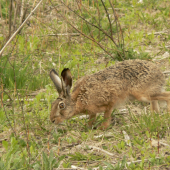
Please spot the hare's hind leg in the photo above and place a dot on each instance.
(145, 98)
(165, 96)
(154, 106)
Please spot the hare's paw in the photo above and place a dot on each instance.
(104, 126)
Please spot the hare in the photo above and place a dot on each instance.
(106, 89)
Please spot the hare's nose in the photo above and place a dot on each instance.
(53, 121)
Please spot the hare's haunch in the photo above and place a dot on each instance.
(106, 89)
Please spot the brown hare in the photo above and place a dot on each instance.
(106, 89)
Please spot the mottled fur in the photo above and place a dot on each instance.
(104, 90)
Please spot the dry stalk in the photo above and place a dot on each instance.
(48, 143)
(10, 18)
(1, 93)
(15, 7)
(22, 11)
(1, 10)
(58, 146)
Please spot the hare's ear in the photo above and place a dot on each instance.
(56, 80)
(67, 78)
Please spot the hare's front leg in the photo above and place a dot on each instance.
(107, 119)
(92, 119)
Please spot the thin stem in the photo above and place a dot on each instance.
(10, 18)
(111, 31)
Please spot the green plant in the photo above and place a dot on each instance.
(119, 166)
(13, 159)
(49, 162)
(4, 6)
(2, 118)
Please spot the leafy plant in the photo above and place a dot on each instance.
(119, 166)
(49, 162)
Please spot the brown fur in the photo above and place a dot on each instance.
(104, 90)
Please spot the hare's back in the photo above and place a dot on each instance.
(139, 74)
(127, 77)
(129, 71)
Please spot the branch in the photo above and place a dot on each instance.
(104, 32)
(15, 33)
(80, 31)
(101, 150)
(21, 12)
(118, 23)
(108, 19)
(10, 18)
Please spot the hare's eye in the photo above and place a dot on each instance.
(61, 105)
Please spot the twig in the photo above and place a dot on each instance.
(138, 161)
(109, 134)
(111, 31)
(118, 26)
(22, 13)
(25, 100)
(76, 167)
(65, 34)
(158, 33)
(96, 148)
(99, 28)
(15, 33)
(10, 18)
(92, 39)
(80, 6)
(15, 7)
(2, 94)
(156, 141)
(127, 138)
(3, 91)
(166, 72)
(58, 146)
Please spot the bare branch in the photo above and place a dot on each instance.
(15, 33)
(22, 11)
(117, 23)
(104, 32)
(10, 18)
(108, 19)
(101, 46)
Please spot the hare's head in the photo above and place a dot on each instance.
(63, 107)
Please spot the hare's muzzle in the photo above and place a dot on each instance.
(56, 119)
(52, 118)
